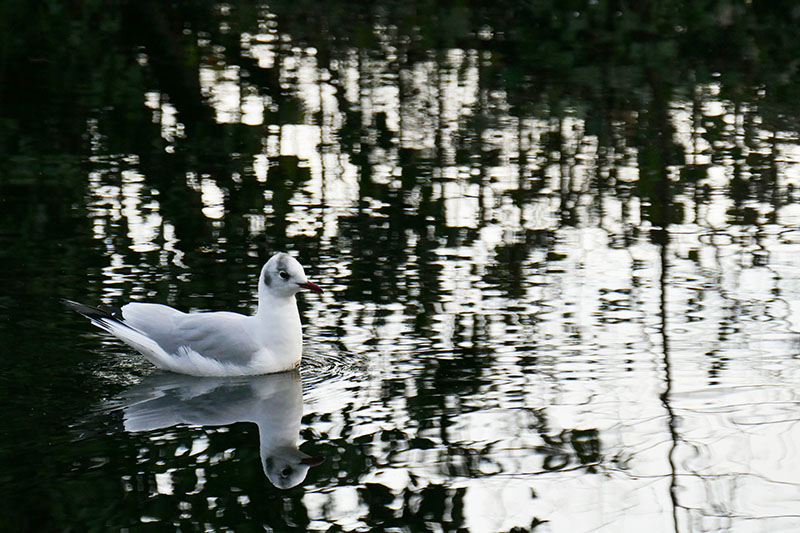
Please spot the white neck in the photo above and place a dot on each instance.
(279, 329)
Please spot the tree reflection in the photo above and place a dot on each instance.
(447, 163)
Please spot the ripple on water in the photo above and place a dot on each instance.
(326, 364)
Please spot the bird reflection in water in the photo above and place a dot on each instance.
(273, 402)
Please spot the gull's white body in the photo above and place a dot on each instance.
(218, 343)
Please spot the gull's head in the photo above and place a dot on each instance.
(287, 467)
(282, 275)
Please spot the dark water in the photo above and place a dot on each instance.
(559, 242)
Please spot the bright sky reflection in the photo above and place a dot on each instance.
(597, 309)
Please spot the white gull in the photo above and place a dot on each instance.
(217, 343)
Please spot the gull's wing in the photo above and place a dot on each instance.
(221, 336)
(200, 344)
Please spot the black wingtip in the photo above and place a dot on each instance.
(75, 306)
(94, 313)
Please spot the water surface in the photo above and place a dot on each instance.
(559, 248)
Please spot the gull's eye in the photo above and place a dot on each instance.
(283, 274)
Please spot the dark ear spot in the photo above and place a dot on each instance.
(267, 281)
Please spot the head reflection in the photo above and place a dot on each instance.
(273, 402)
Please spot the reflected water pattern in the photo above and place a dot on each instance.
(562, 266)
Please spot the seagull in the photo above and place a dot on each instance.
(217, 343)
(273, 402)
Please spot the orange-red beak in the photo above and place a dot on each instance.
(311, 286)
